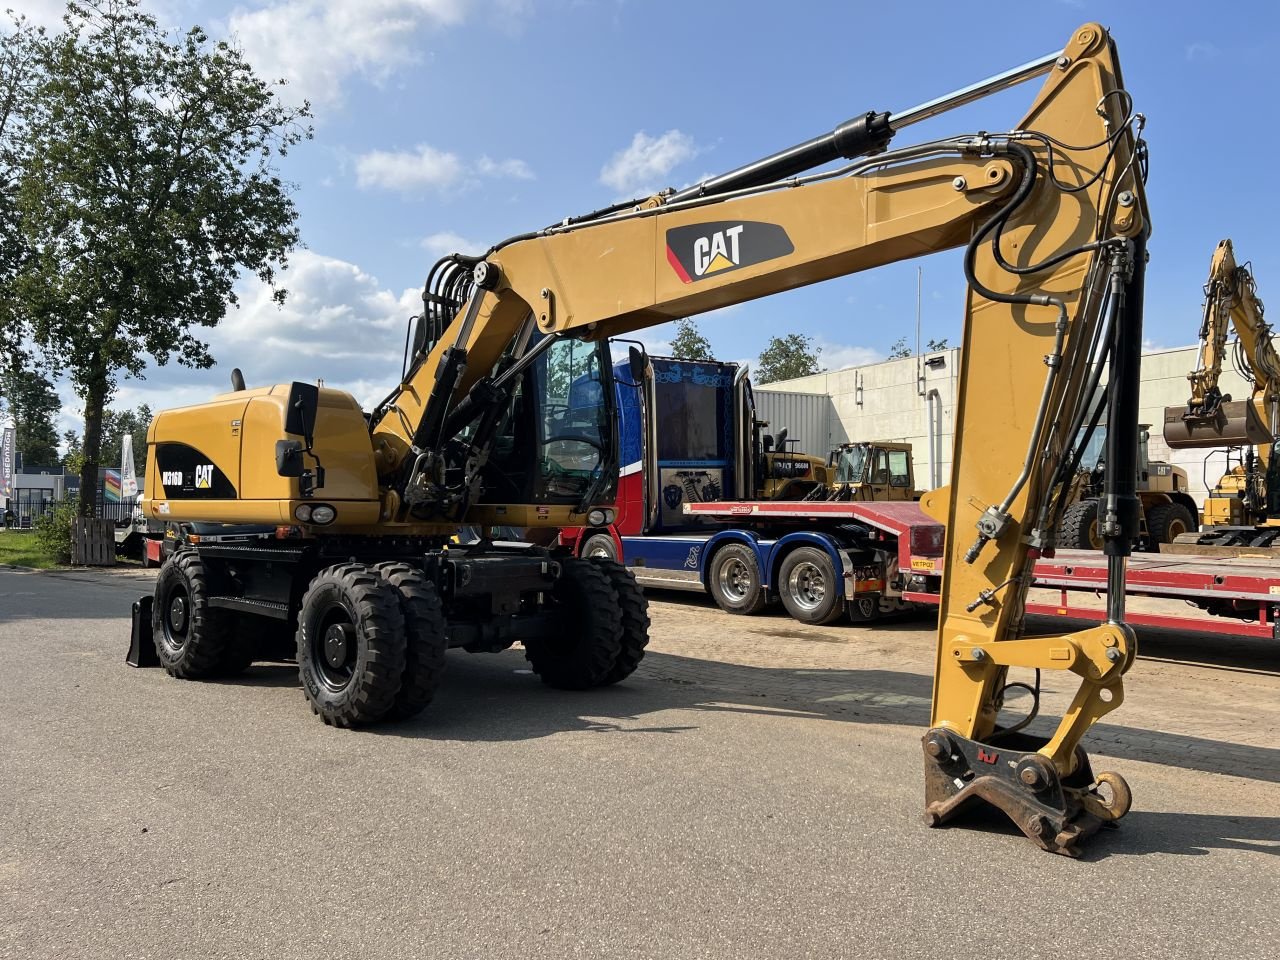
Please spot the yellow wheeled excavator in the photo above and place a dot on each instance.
(1243, 509)
(504, 416)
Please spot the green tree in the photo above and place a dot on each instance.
(148, 186)
(899, 349)
(33, 405)
(785, 358)
(933, 346)
(689, 344)
(116, 424)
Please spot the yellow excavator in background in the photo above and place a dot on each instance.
(1243, 509)
(504, 416)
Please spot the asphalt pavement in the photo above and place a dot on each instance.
(755, 790)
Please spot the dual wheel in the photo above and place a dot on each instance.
(370, 642)
(807, 583)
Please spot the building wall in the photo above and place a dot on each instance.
(893, 404)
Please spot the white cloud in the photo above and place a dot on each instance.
(512, 169)
(1202, 51)
(637, 169)
(838, 356)
(446, 242)
(316, 44)
(408, 170)
(426, 168)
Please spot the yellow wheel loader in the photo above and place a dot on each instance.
(504, 417)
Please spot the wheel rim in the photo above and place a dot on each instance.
(600, 550)
(335, 648)
(1095, 539)
(177, 617)
(1175, 529)
(807, 585)
(735, 580)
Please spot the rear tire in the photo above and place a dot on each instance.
(583, 652)
(351, 645)
(809, 588)
(192, 639)
(733, 577)
(426, 638)
(1168, 521)
(1079, 527)
(635, 619)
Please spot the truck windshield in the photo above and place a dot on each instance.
(851, 464)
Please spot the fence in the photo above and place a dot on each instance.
(29, 505)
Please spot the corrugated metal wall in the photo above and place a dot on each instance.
(806, 417)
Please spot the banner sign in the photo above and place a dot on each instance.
(6, 463)
(128, 476)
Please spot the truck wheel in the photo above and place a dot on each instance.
(808, 585)
(635, 619)
(600, 545)
(426, 638)
(1079, 527)
(191, 638)
(1168, 521)
(351, 641)
(582, 652)
(733, 577)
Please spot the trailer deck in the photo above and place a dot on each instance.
(1236, 596)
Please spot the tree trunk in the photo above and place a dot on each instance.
(95, 399)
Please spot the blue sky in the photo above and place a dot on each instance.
(448, 122)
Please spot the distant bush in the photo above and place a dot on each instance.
(53, 530)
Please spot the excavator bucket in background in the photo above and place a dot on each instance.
(1234, 423)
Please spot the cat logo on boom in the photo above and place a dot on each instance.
(702, 250)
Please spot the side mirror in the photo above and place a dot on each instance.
(289, 458)
(637, 362)
(768, 442)
(418, 338)
(300, 413)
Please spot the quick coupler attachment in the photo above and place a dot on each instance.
(1057, 812)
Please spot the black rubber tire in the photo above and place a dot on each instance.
(813, 572)
(1167, 521)
(192, 639)
(750, 597)
(583, 652)
(635, 619)
(1079, 527)
(375, 645)
(599, 545)
(426, 637)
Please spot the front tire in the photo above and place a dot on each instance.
(634, 608)
(809, 588)
(600, 545)
(192, 639)
(351, 645)
(426, 638)
(584, 650)
(733, 577)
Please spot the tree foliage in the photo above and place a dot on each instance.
(689, 344)
(30, 400)
(899, 349)
(147, 186)
(934, 346)
(785, 358)
(116, 425)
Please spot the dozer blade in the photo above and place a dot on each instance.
(1235, 423)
